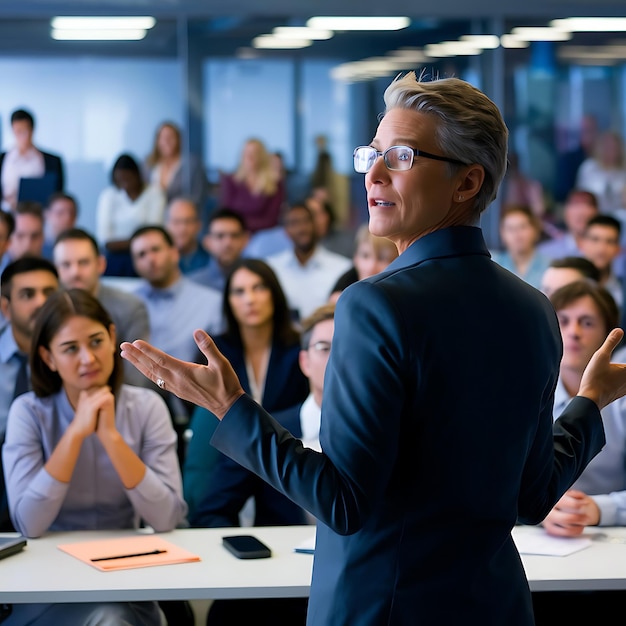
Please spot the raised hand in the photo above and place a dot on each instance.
(603, 381)
(214, 386)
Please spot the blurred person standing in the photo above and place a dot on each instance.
(24, 160)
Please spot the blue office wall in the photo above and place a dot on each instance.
(90, 110)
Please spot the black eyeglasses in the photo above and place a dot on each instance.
(396, 158)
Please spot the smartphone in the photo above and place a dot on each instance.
(246, 547)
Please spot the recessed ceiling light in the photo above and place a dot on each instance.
(540, 33)
(509, 41)
(278, 43)
(590, 24)
(359, 23)
(302, 32)
(125, 34)
(101, 23)
(486, 42)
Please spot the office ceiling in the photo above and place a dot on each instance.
(227, 27)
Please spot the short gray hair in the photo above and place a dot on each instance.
(470, 127)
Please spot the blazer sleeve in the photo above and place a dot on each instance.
(364, 396)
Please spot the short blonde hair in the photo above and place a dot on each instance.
(470, 127)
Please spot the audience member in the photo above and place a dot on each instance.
(308, 271)
(183, 223)
(59, 215)
(520, 231)
(329, 235)
(84, 452)
(24, 160)
(176, 175)
(27, 237)
(580, 207)
(253, 189)
(176, 305)
(80, 265)
(600, 244)
(323, 172)
(567, 270)
(569, 161)
(586, 313)
(604, 174)
(231, 484)
(372, 255)
(25, 285)
(124, 206)
(225, 240)
(263, 346)
(7, 226)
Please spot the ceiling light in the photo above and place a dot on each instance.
(125, 34)
(359, 23)
(451, 49)
(302, 32)
(590, 24)
(540, 33)
(101, 23)
(509, 41)
(486, 42)
(278, 43)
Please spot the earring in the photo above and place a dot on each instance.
(460, 198)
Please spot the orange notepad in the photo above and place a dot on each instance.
(128, 552)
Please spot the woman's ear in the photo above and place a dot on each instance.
(471, 182)
(47, 358)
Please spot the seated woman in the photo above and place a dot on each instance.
(124, 206)
(84, 452)
(168, 169)
(520, 231)
(263, 347)
(372, 255)
(254, 190)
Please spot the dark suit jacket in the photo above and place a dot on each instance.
(285, 386)
(231, 485)
(52, 165)
(437, 433)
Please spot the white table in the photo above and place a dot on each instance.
(43, 573)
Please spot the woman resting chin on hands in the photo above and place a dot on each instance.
(82, 451)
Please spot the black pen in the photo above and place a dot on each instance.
(127, 556)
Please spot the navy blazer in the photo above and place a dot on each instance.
(231, 485)
(437, 433)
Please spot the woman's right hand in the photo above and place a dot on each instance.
(90, 403)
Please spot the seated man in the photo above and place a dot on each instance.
(226, 239)
(25, 285)
(60, 214)
(182, 221)
(586, 313)
(600, 244)
(231, 485)
(567, 270)
(308, 271)
(27, 236)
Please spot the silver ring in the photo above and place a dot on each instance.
(161, 383)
